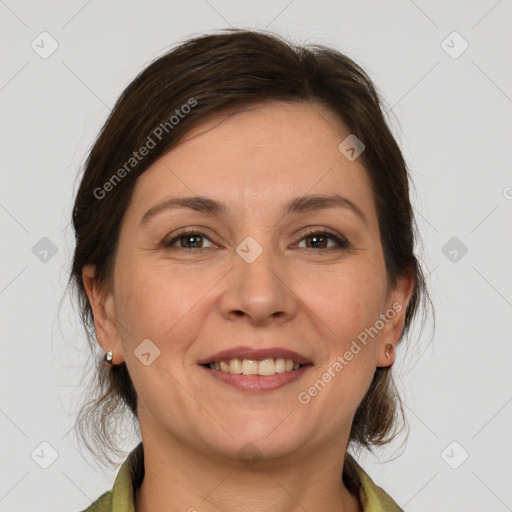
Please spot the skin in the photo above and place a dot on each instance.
(192, 304)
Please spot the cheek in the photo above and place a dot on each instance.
(161, 305)
(346, 300)
(347, 304)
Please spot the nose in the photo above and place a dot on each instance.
(260, 291)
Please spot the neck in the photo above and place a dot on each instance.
(180, 478)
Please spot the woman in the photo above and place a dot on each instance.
(245, 258)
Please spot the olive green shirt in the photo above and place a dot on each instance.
(131, 474)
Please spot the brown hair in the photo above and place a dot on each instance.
(210, 74)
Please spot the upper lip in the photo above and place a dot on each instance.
(255, 354)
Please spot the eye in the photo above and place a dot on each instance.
(192, 239)
(188, 239)
(319, 239)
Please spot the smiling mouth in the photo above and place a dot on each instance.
(264, 367)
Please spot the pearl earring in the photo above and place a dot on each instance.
(108, 358)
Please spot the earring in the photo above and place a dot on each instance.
(108, 358)
(388, 348)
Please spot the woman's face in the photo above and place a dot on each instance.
(252, 276)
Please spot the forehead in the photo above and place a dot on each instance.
(258, 158)
(287, 133)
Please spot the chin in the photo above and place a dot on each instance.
(262, 439)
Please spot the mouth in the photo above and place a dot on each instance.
(256, 370)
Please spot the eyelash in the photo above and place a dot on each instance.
(340, 241)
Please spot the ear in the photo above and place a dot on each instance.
(396, 306)
(103, 308)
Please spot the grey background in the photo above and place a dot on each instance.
(452, 118)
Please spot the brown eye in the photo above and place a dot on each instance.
(187, 239)
(320, 239)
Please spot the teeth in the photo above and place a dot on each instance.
(267, 366)
(235, 366)
(249, 367)
(280, 365)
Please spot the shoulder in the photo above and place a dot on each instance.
(129, 477)
(102, 504)
(373, 498)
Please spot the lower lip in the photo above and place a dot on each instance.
(257, 383)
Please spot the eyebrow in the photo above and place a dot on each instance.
(209, 206)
